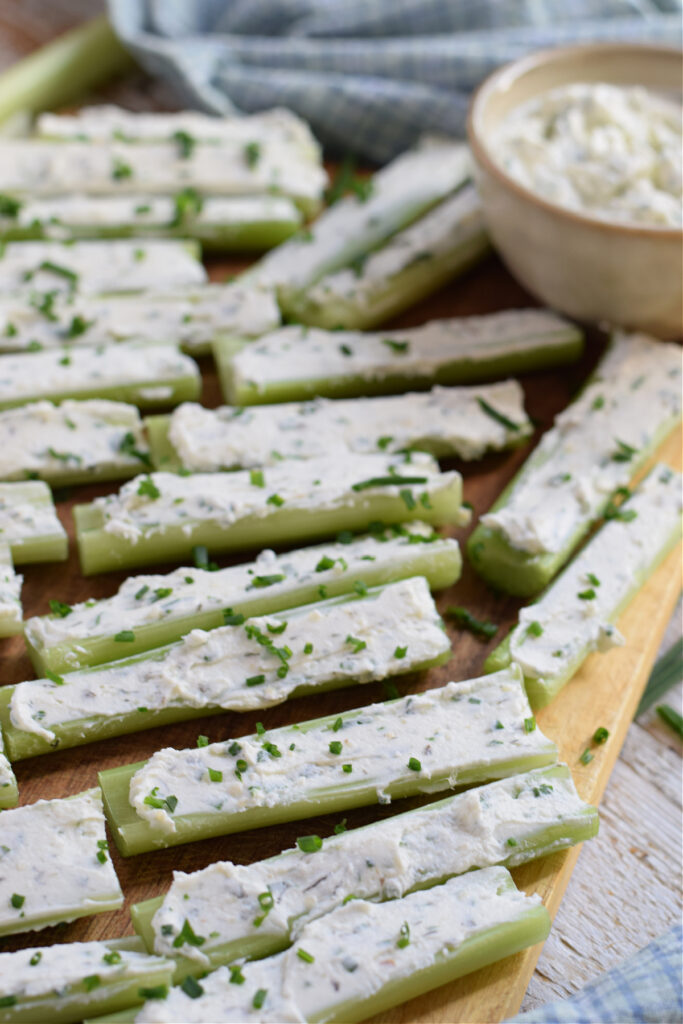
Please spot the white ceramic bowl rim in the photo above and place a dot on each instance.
(503, 77)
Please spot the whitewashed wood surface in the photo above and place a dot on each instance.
(625, 889)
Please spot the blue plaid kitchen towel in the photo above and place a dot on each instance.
(368, 75)
(645, 989)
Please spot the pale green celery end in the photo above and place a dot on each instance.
(64, 70)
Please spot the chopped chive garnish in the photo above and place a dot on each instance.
(252, 154)
(499, 417)
(126, 636)
(587, 595)
(511, 842)
(200, 555)
(400, 347)
(148, 489)
(325, 563)
(276, 500)
(141, 592)
(598, 403)
(335, 747)
(534, 629)
(17, 900)
(259, 998)
(303, 955)
(257, 478)
(466, 620)
(191, 987)
(267, 581)
(153, 992)
(671, 717)
(308, 648)
(187, 935)
(529, 724)
(346, 350)
(340, 827)
(358, 645)
(414, 764)
(60, 608)
(255, 680)
(592, 578)
(400, 652)
(309, 844)
(38, 956)
(215, 775)
(231, 618)
(600, 735)
(387, 481)
(236, 976)
(624, 452)
(276, 630)
(347, 768)
(586, 757)
(185, 143)
(403, 936)
(53, 677)
(337, 724)
(91, 981)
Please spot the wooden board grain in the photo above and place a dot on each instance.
(605, 692)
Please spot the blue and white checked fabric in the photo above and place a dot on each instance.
(647, 988)
(368, 75)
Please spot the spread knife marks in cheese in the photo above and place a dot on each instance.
(54, 864)
(408, 739)
(256, 664)
(384, 860)
(362, 949)
(576, 614)
(445, 421)
(306, 353)
(633, 399)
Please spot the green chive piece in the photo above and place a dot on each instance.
(309, 844)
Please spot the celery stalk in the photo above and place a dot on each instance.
(29, 523)
(241, 224)
(10, 596)
(282, 510)
(148, 374)
(446, 711)
(295, 363)
(198, 599)
(9, 793)
(627, 408)
(414, 263)
(38, 716)
(393, 951)
(28, 992)
(539, 809)
(62, 71)
(576, 615)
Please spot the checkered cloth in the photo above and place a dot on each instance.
(368, 75)
(645, 989)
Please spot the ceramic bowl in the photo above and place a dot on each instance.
(593, 270)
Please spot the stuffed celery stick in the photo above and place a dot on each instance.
(190, 317)
(598, 443)
(393, 198)
(41, 168)
(576, 615)
(161, 517)
(239, 223)
(417, 744)
(72, 443)
(156, 610)
(254, 910)
(107, 123)
(148, 374)
(294, 363)
(11, 613)
(44, 270)
(54, 864)
(365, 957)
(29, 525)
(413, 264)
(464, 422)
(9, 793)
(262, 661)
(68, 981)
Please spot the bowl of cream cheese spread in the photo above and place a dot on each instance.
(577, 157)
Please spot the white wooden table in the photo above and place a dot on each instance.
(625, 890)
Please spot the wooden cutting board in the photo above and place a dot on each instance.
(604, 693)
